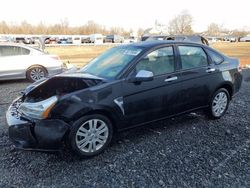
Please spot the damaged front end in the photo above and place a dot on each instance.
(38, 134)
(31, 125)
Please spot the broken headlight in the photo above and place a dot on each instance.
(38, 110)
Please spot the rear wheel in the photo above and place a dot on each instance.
(219, 104)
(36, 73)
(90, 135)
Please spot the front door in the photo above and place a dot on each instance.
(151, 100)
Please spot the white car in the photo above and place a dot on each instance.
(20, 62)
(96, 38)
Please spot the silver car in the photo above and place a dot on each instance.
(19, 62)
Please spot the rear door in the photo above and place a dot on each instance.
(196, 73)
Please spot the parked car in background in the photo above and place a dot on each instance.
(245, 39)
(5, 39)
(54, 40)
(153, 37)
(29, 40)
(130, 39)
(185, 38)
(62, 40)
(230, 39)
(86, 39)
(69, 40)
(24, 40)
(19, 40)
(20, 62)
(96, 38)
(127, 86)
(47, 40)
(77, 40)
(113, 39)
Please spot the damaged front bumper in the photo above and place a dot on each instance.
(47, 134)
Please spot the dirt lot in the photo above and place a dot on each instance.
(239, 49)
(80, 55)
(188, 151)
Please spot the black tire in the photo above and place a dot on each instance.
(30, 71)
(75, 128)
(210, 112)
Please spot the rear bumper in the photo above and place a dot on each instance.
(35, 135)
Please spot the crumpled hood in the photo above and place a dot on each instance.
(60, 85)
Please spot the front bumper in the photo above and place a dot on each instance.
(47, 134)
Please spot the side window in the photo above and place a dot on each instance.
(160, 61)
(21, 51)
(216, 58)
(192, 57)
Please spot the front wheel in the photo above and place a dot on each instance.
(219, 104)
(90, 135)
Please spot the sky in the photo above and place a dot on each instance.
(130, 14)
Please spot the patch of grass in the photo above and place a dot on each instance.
(239, 50)
(78, 55)
(81, 55)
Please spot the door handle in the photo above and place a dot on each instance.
(210, 70)
(171, 79)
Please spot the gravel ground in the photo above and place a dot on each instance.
(188, 151)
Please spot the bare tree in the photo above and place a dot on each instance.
(239, 33)
(181, 24)
(214, 29)
(41, 28)
(4, 28)
(140, 32)
(26, 28)
(64, 26)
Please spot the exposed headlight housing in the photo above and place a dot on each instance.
(38, 110)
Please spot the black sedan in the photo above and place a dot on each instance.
(127, 86)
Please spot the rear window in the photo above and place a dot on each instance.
(216, 58)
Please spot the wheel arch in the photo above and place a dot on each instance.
(36, 65)
(105, 113)
(228, 86)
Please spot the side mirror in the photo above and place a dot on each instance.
(142, 76)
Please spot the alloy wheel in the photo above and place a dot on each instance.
(219, 104)
(92, 135)
(37, 74)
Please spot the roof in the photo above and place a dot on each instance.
(12, 44)
(150, 44)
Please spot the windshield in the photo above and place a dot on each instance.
(109, 64)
